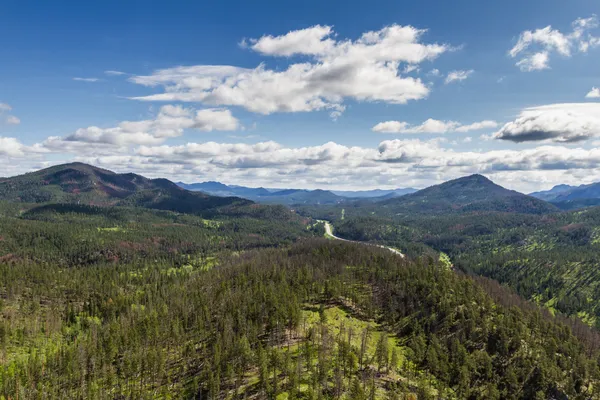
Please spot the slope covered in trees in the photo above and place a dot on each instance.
(79, 183)
(550, 259)
(467, 194)
(318, 319)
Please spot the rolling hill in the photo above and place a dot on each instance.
(85, 184)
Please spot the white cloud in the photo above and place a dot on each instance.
(365, 69)
(458, 76)
(310, 41)
(215, 119)
(431, 126)
(12, 120)
(10, 147)
(557, 123)
(13, 148)
(6, 117)
(434, 72)
(410, 68)
(114, 73)
(546, 41)
(475, 126)
(169, 122)
(534, 62)
(86, 79)
(593, 94)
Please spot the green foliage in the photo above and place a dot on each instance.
(252, 326)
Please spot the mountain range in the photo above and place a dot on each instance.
(569, 197)
(82, 183)
(293, 196)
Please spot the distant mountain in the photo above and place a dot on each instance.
(568, 197)
(293, 196)
(467, 194)
(220, 189)
(86, 184)
(363, 194)
(267, 196)
(551, 194)
(591, 191)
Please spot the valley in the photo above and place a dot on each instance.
(105, 295)
(329, 234)
(310, 200)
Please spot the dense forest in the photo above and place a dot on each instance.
(134, 303)
(550, 259)
(317, 319)
(162, 299)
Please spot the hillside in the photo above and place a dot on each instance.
(551, 259)
(375, 193)
(314, 320)
(467, 194)
(85, 184)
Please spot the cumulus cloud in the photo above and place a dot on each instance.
(593, 94)
(5, 115)
(86, 79)
(457, 76)
(534, 62)
(315, 40)
(535, 47)
(169, 122)
(366, 69)
(10, 147)
(431, 126)
(561, 123)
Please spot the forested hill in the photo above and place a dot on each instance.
(316, 320)
(467, 194)
(86, 184)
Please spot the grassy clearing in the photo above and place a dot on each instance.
(339, 324)
(113, 229)
(445, 260)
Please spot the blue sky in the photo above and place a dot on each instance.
(264, 115)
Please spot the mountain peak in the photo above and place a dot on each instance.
(87, 184)
(466, 194)
(476, 178)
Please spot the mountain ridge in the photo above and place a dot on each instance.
(292, 196)
(87, 184)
